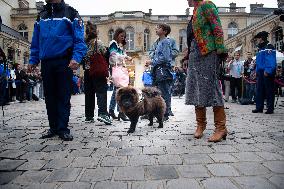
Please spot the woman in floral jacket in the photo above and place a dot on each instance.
(205, 44)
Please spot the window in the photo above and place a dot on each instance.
(129, 38)
(110, 35)
(23, 30)
(146, 40)
(278, 38)
(232, 29)
(182, 40)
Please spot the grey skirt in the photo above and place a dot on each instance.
(202, 86)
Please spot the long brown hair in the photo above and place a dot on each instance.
(116, 34)
(91, 32)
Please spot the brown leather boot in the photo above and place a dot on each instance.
(200, 113)
(220, 124)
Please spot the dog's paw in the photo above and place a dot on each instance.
(130, 131)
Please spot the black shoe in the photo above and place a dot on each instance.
(122, 116)
(48, 134)
(66, 137)
(171, 113)
(166, 118)
(269, 112)
(257, 111)
(89, 120)
(112, 114)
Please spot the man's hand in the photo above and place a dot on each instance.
(148, 62)
(74, 65)
(265, 74)
(31, 67)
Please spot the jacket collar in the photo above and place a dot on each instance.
(55, 6)
(262, 45)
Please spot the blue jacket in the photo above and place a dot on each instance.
(266, 59)
(58, 32)
(173, 50)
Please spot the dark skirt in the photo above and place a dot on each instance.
(202, 86)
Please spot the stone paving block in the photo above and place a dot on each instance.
(58, 163)
(10, 165)
(15, 146)
(129, 174)
(247, 156)
(81, 153)
(223, 157)
(224, 148)
(110, 185)
(192, 171)
(246, 148)
(160, 172)
(200, 150)
(220, 183)
(34, 148)
(169, 160)
(141, 160)
(153, 150)
(116, 161)
(88, 162)
(98, 174)
(277, 180)
(147, 185)
(176, 150)
(64, 175)
(222, 170)
(32, 177)
(34, 155)
(253, 182)
(41, 186)
(183, 184)
(57, 147)
(129, 151)
(196, 159)
(32, 165)
(12, 154)
(6, 177)
(270, 156)
(275, 166)
(251, 168)
(11, 186)
(101, 152)
(267, 147)
(75, 185)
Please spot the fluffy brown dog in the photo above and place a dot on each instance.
(151, 104)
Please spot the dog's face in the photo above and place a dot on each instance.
(127, 97)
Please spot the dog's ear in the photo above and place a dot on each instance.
(133, 91)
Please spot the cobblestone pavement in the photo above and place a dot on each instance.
(105, 157)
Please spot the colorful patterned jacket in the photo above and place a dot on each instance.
(207, 28)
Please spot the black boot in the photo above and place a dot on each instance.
(122, 116)
(112, 114)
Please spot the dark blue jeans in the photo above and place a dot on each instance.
(265, 89)
(250, 91)
(165, 88)
(57, 82)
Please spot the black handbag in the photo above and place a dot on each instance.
(162, 73)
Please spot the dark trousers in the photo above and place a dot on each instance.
(264, 89)
(21, 89)
(3, 84)
(236, 83)
(165, 88)
(57, 82)
(95, 87)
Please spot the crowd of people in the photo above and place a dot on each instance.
(207, 80)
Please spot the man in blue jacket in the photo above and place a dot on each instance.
(58, 43)
(265, 73)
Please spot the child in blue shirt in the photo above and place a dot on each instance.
(161, 62)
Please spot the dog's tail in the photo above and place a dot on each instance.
(151, 92)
